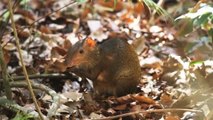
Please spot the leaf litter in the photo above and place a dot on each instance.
(168, 80)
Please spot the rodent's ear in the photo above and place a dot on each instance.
(90, 42)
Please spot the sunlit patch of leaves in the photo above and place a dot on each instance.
(191, 83)
(202, 18)
(171, 85)
(152, 5)
(20, 116)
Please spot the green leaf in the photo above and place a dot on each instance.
(196, 63)
(203, 10)
(210, 32)
(24, 2)
(115, 3)
(211, 18)
(81, 1)
(159, 10)
(6, 16)
(20, 116)
(185, 26)
(203, 19)
(199, 44)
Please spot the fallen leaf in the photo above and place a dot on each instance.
(58, 52)
(116, 5)
(120, 107)
(56, 66)
(94, 25)
(139, 8)
(45, 29)
(124, 99)
(166, 99)
(170, 117)
(143, 99)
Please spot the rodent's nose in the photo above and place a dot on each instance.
(71, 67)
(70, 64)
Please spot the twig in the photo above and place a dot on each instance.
(53, 75)
(160, 3)
(211, 35)
(51, 13)
(2, 60)
(21, 60)
(16, 3)
(149, 111)
(4, 102)
(197, 6)
(52, 93)
(46, 16)
(5, 75)
(53, 108)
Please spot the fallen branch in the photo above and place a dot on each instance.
(21, 59)
(3, 66)
(52, 93)
(36, 76)
(4, 102)
(50, 13)
(2, 60)
(149, 111)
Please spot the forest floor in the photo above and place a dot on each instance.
(177, 70)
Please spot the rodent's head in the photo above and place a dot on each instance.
(83, 56)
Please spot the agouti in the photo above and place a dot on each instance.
(112, 65)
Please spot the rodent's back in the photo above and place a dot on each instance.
(112, 65)
(122, 65)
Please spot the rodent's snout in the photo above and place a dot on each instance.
(71, 68)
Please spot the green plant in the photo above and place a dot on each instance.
(200, 19)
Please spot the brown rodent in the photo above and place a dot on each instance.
(112, 65)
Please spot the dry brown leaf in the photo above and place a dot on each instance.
(111, 3)
(136, 108)
(124, 99)
(56, 66)
(26, 14)
(139, 8)
(67, 44)
(139, 44)
(22, 33)
(6, 56)
(125, 17)
(170, 117)
(45, 29)
(143, 99)
(57, 52)
(166, 99)
(85, 13)
(111, 111)
(120, 107)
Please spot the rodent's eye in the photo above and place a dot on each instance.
(81, 51)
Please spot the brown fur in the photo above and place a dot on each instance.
(112, 65)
